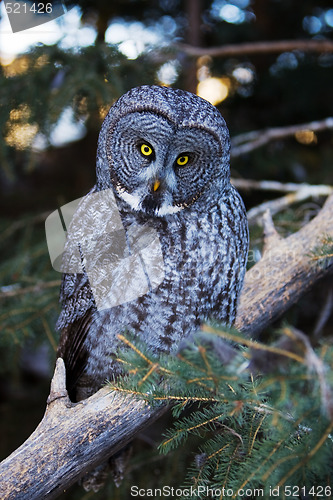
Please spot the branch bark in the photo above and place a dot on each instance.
(284, 273)
(73, 438)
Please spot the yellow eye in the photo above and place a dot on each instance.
(182, 160)
(146, 150)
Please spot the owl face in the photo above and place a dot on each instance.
(160, 168)
(161, 157)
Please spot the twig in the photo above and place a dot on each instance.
(258, 48)
(296, 193)
(282, 187)
(274, 206)
(314, 363)
(244, 143)
(324, 314)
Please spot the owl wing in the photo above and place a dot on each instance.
(74, 322)
(234, 230)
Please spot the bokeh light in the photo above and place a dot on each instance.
(306, 137)
(214, 90)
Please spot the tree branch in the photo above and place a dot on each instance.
(281, 187)
(274, 206)
(244, 143)
(284, 273)
(296, 193)
(258, 48)
(74, 438)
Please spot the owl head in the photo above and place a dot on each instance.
(162, 149)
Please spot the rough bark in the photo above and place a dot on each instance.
(72, 439)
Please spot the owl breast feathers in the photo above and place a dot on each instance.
(163, 157)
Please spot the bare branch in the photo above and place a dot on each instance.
(72, 439)
(259, 48)
(282, 187)
(274, 206)
(296, 193)
(244, 143)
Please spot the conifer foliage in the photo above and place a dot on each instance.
(248, 431)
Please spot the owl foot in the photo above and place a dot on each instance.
(116, 467)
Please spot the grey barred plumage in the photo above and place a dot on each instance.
(165, 154)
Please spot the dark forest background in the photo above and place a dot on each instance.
(283, 86)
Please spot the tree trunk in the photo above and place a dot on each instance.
(193, 10)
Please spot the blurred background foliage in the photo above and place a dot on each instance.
(53, 98)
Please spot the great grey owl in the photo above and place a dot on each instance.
(163, 154)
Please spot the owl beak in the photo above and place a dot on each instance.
(156, 185)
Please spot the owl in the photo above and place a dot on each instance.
(163, 158)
